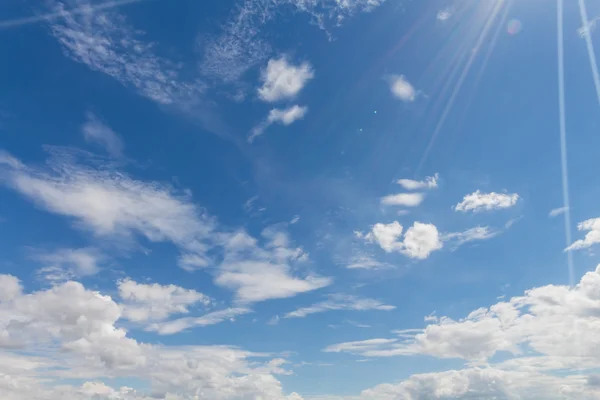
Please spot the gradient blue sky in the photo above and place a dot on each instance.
(292, 199)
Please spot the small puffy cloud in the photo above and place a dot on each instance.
(403, 199)
(97, 132)
(341, 302)
(402, 89)
(592, 226)
(418, 242)
(478, 201)
(145, 302)
(430, 182)
(283, 80)
(557, 211)
(181, 324)
(285, 117)
(444, 14)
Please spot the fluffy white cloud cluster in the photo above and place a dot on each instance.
(430, 182)
(419, 240)
(341, 302)
(592, 226)
(151, 302)
(478, 201)
(74, 334)
(283, 80)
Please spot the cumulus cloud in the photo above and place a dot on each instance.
(420, 240)
(430, 182)
(403, 199)
(548, 328)
(283, 80)
(341, 302)
(74, 334)
(147, 302)
(444, 14)
(103, 40)
(592, 226)
(96, 131)
(402, 89)
(478, 201)
(285, 117)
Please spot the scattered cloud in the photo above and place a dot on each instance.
(420, 240)
(473, 234)
(588, 28)
(109, 203)
(155, 302)
(430, 182)
(403, 199)
(96, 131)
(444, 14)
(295, 219)
(181, 324)
(557, 211)
(341, 302)
(282, 80)
(366, 262)
(103, 40)
(478, 201)
(285, 117)
(591, 237)
(402, 89)
(257, 273)
(70, 333)
(63, 264)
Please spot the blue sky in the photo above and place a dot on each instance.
(298, 199)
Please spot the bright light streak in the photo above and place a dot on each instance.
(14, 23)
(590, 47)
(563, 138)
(461, 79)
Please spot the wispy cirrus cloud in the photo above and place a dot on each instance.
(94, 130)
(338, 302)
(103, 40)
(181, 324)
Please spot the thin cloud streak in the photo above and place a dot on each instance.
(590, 48)
(15, 23)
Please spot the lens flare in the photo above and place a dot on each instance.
(514, 26)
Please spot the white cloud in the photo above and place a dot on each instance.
(478, 201)
(95, 131)
(341, 302)
(591, 237)
(430, 182)
(444, 14)
(588, 28)
(69, 333)
(10, 287)
(366, 262)
(403, 199)
(242, 44)
(282, 80)
(470, 235)
(146, 302)
(295, 219)
(69, 262)
(402, 89)
(103, 40)
(213, 318)
(419, 240)
(557, 211)
(282, 116)
(258, 273)
(110, 204)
